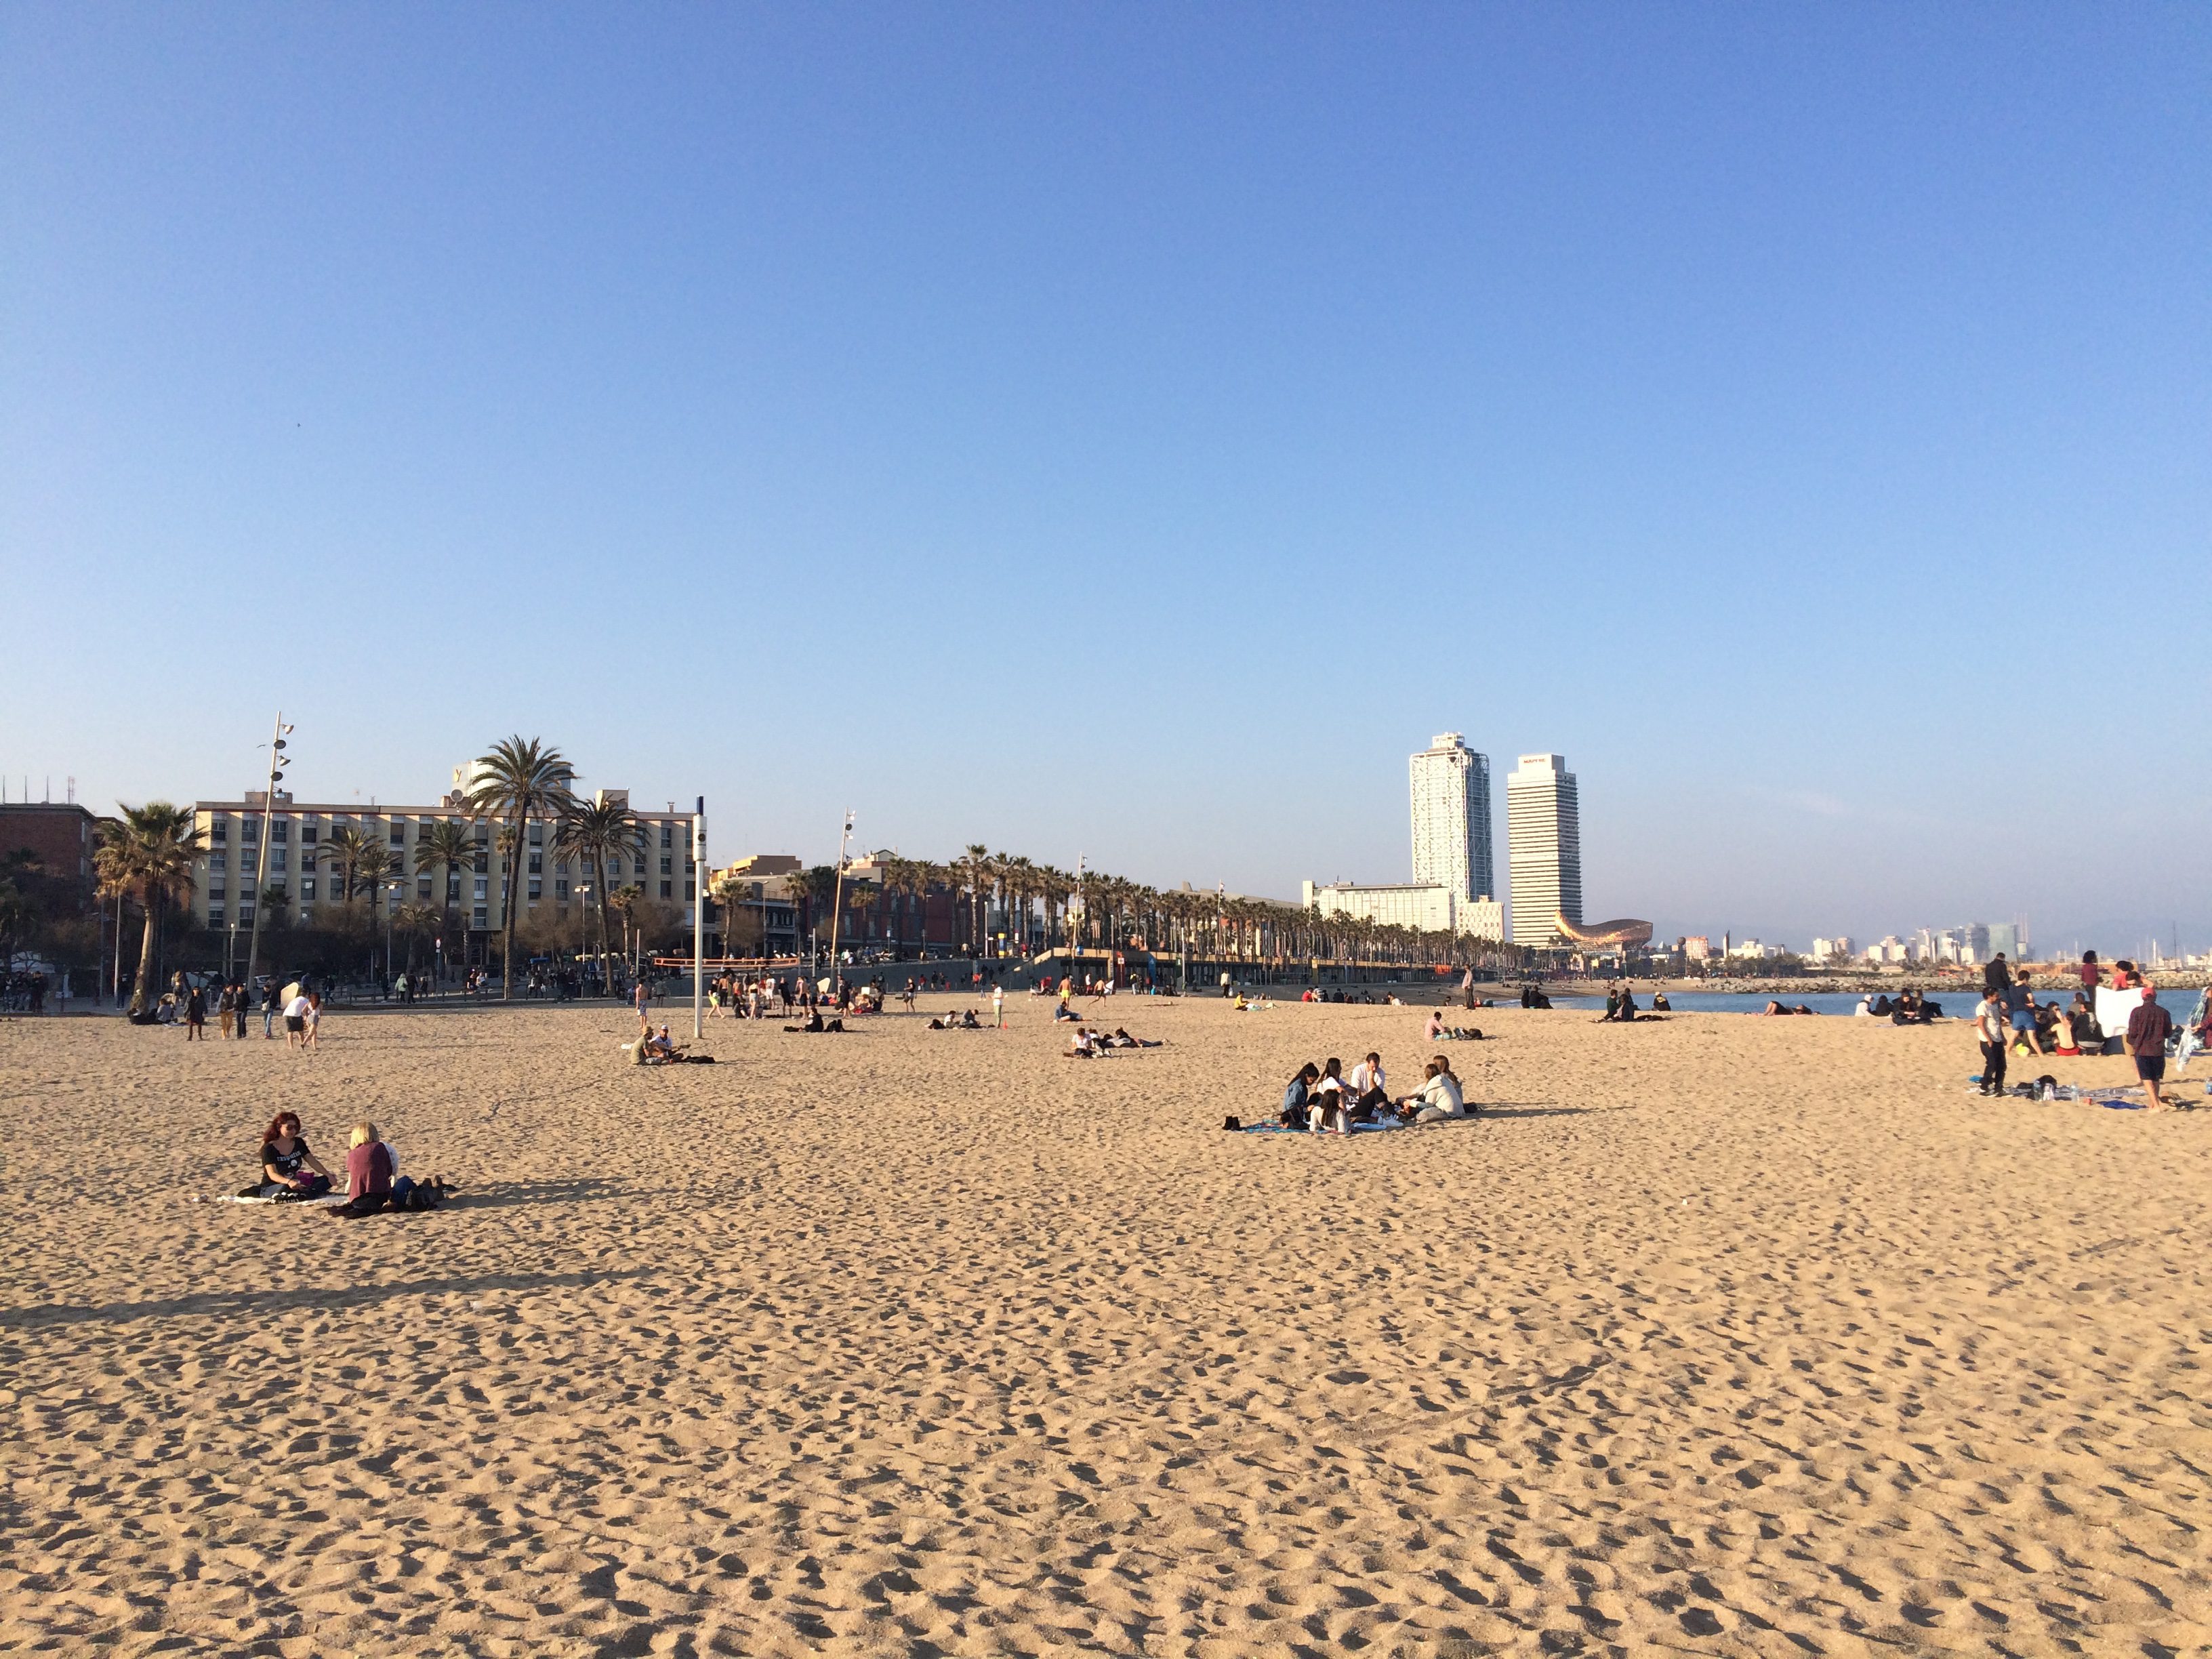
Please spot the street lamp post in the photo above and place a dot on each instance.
(277, 761)
(836, 899)
(390, 905)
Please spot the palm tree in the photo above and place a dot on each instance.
(148, 856)
(625, 903)
(594, 832)
(348, 848)
(447, 847)
(411, 922)
(520, 779)
(975, 864)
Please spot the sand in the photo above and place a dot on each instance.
(1721, 1336)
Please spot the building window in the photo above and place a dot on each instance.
(278, 860)
(422, 890)
(480, 918)
(308, 835)
(667, 866)
(668, 890)
(218, 860)
(245, 912)
(537, 835)
(614, 867)
(284, 831)
(667, 837)
(307, 889)
(219, 831)
(215, 915)
(484, 864)
(690, 889)
(480, 885)
(538, 864)
(253, 830)
(560, 890)
(536, 891)
(399, 832)
(218, 891)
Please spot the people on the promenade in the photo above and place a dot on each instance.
(2149, 1027)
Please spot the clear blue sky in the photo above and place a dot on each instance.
(1136, 430)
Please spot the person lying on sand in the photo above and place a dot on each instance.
(816, 1023)
(1121, 1039)
(1439, 1096)
(289, 1172)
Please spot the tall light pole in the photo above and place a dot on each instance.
(699, 920)
(277, 761)
(390, 904)
(837, 899)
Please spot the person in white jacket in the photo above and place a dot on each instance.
(1438, 1098)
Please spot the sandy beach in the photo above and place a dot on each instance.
(1717, 1335)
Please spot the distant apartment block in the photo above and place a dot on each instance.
(1424, 907)
(299, 869)
(1543, 834)
(1450, 787)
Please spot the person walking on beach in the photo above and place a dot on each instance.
(998, 1006)
(268, 1007)
(1990, 1029)
(2149, 1027)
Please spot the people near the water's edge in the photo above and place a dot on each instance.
(1621, 1005)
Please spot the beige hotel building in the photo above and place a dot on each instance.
(231, 845)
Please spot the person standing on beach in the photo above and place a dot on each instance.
(2149, 1027)
(1989, 1029)
(998, 1006)
(1996, 976)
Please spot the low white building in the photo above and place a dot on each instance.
(1420, 906)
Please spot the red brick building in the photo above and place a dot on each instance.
(61, 837)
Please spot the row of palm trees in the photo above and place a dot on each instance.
(1097, 910)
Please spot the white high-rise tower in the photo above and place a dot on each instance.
(1544, 847)
(1451, 819)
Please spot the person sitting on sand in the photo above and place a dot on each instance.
(1298, 1095)
(1240, 1005)
(290, 1171)
(1082, 1045)
(2062, 1032)
(1332, 1100)
(1063, 1011)
(1368, 1096)
(1773, 1007)
(1659, 1003)
(1439, 1096)
(1433, 1028)
(370, 1167)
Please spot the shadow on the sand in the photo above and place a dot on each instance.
(502, 1193)
(1513, 1108)
(229, 1304)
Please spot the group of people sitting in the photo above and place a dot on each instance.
(966, 1020)
(1318, 993)
(658, 1048)
(1773, 1007)
(1620, 1004)
(1907, 1008)
(1087, 1044)
(292, 1174)
(1319, 1099)
(1533, 997)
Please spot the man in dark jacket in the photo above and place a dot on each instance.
(2149, 1027)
